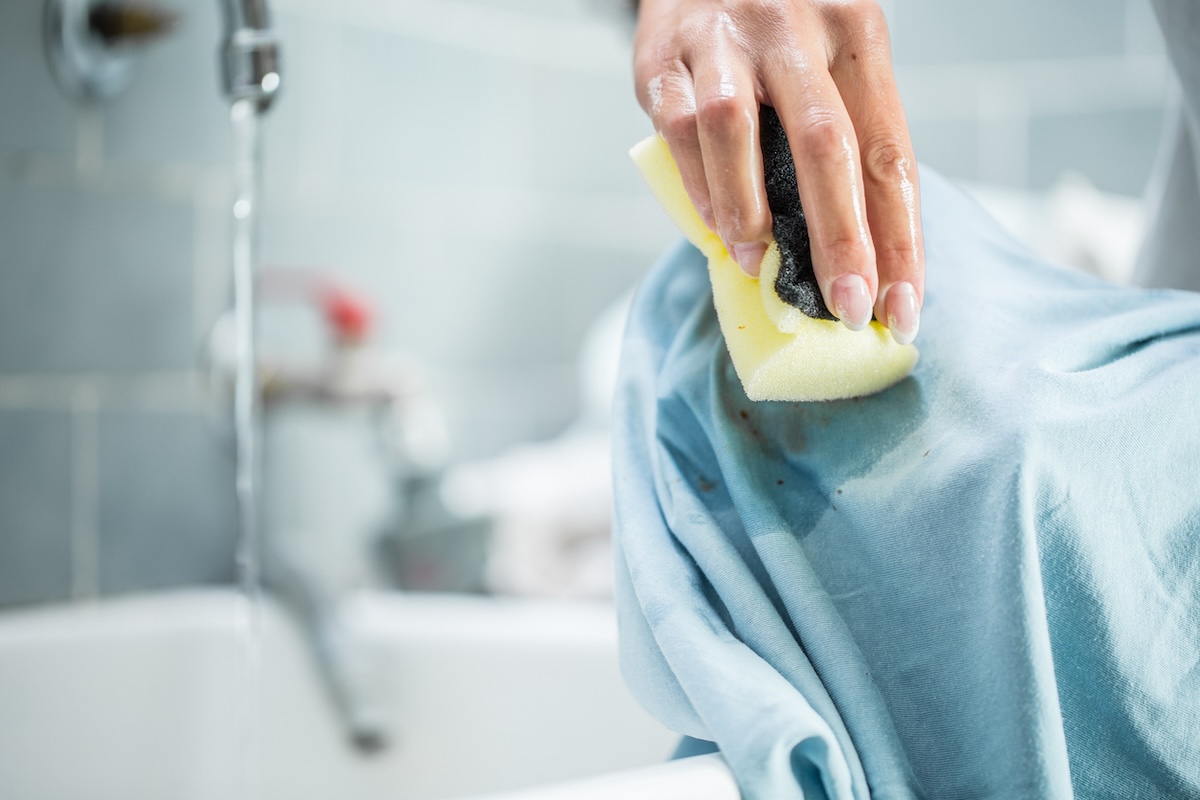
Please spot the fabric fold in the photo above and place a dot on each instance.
(912, 594)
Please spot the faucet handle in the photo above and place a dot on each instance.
(87, 42)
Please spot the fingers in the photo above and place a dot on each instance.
(727, 121)
(825, 149)
(703, 100)
(669, 99)
(862, 72)
(703, 67)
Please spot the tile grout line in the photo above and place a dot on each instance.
(85, 491)
(198, 275)
(167, 391)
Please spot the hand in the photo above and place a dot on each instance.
(703, 67)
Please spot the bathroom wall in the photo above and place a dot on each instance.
(460, 161)
(463, 164)
(1016, 93)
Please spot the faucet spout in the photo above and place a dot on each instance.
(249, 52)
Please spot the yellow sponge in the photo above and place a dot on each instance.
(777, 351)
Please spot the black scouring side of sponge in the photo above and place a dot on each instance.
(796, 284)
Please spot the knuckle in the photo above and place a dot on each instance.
(822, 137)
(888, 161)
(678, 125)
(724, 114)
(660, 78)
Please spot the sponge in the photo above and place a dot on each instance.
(778, 351)
(791, 280)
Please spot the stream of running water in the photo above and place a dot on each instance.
(246, 122)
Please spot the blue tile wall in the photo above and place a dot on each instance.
(530, 303)
(1143, 36)
(408, 109)
(555, 9)
(303, 135)
(166, 506)
(173, 111)
(1115, 148)
(947, 39)
(35, 506)
(931, 31)
(360, 249)
(93, 281)
(949, 146)
(558, 129)
(33, 114)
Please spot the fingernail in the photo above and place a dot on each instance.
(852, 301)
(903, 312)
(749, 257)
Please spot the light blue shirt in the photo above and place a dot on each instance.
(983, 582)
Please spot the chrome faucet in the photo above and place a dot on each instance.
(249, 52)
(92, 46)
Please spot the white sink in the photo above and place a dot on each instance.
(146, 698)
